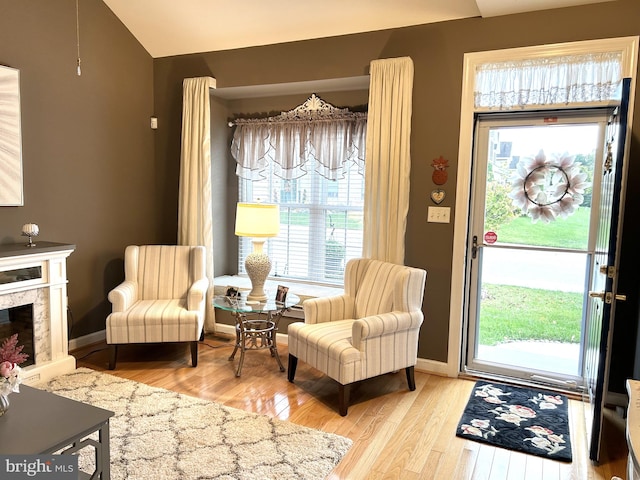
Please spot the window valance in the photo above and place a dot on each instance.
(314, 133)
(564, 79)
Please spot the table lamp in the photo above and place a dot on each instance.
(259, 221)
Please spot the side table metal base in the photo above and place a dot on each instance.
(256, 323)
(256, 334)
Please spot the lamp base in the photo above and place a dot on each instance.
(258, 267)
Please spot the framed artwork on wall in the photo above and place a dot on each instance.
(11, 191)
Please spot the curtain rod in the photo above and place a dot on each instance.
(313, 109)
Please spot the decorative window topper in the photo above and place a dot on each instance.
(546, 188)
(314, 133)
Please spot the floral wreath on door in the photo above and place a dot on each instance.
(547, 188)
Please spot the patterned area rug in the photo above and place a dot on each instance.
(156, 433)
(518, 419)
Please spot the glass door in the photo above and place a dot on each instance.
(531, 244)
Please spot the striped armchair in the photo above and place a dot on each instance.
(162, 298)
(369, 330)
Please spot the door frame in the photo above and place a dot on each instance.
(628, 46)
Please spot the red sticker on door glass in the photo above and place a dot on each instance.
(490, 237)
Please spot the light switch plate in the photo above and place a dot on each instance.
(438, 214)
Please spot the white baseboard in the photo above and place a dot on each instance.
(224, 328)
(432, 366)
(423, 365)
(40, 373)
(85, 340)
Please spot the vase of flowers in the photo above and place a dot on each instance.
(11, 357)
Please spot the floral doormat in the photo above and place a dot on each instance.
(517, 418)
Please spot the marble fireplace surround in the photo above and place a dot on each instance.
(48, 294)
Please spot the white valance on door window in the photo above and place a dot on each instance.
(564, 79)
(314, 130)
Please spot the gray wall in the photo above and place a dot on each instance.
(89, 172)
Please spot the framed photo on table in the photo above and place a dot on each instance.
(281, 294)
(233, 292)
(233, 296)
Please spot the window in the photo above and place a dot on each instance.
(320, 223)
(316, 175)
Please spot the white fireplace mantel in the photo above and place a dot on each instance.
(49, 292)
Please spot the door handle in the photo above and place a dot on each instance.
(607, 297)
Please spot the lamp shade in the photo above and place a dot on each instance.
(257, 220)
(30, 230)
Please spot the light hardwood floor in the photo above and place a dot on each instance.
(397, 434)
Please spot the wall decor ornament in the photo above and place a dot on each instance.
(437, 196)
(548, 188)
(440, 166)
(30, 230)
(10, 138)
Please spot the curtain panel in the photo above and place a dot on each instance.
(388, 166)
(194, 200)
(558, 80)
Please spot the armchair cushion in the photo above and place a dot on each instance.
(327, 346)
(155, 321)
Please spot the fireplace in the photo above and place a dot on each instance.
(19, 320)
(33, 303)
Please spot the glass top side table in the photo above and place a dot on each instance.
(256, 323)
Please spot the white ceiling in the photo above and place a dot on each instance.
(169, 27)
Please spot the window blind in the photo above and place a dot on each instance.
(320, 223)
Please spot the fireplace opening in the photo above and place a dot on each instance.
(19, 320)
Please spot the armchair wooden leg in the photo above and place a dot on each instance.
(411, 380)
(194, 354)
(113, 353)
(343, 400)
(291, 371)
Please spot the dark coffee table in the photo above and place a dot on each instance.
(40, 422)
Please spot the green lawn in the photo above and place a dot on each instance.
(340, 220)
(571, 232)
(518, 313)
